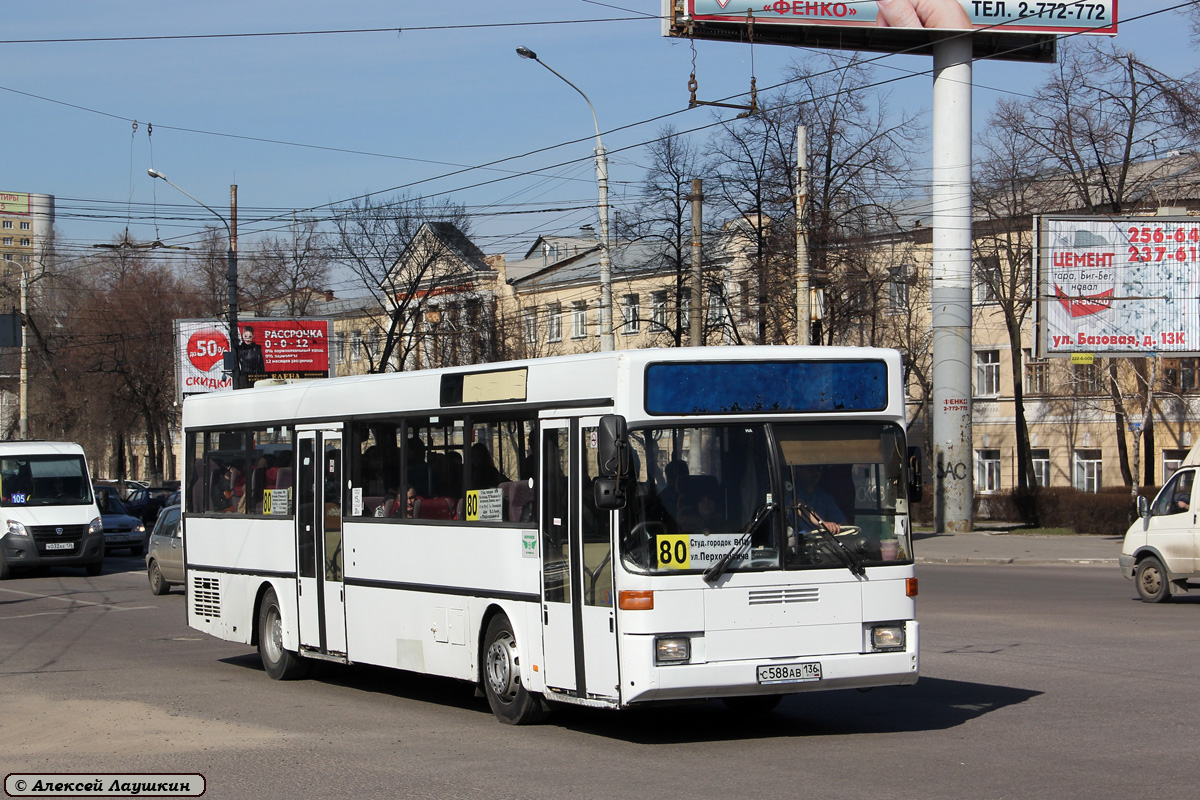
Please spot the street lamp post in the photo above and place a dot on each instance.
(23, 404)
(606, 328)
(235, 372)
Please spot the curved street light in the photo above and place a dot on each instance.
(23, 403)
(606, 328)
(235, 372)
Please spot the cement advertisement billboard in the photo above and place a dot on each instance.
(268, 348)
(1118, 285)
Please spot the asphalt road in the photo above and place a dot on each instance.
(1036, 682)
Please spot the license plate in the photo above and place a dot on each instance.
(60, 546)
(789, 673)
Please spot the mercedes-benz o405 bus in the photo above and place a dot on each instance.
(611, 529)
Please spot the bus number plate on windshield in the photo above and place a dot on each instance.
(789, 673)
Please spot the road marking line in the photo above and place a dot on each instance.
(70, 600)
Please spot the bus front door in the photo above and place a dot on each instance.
(319, 541)
(579, 624)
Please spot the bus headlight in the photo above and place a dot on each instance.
(672, 650)
(887, 637)
(14, 528)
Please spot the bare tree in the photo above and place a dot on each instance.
(286, 271)
(860, 157)
(664, 217)
(1093, 138)
(388, 247)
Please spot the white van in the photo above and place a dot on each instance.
(1161, 553)
(50, 512)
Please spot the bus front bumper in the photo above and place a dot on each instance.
(741, 678)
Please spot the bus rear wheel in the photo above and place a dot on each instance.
(280, 664)
(509, 700)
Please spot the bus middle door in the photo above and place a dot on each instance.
(322, 598)
(579, 634)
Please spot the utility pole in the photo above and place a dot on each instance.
(950, 294)
(696, 322)
(239, 380)
(803, 311)
(23, 425)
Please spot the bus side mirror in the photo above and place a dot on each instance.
(915, 479)
(614, 447)
(609, 494)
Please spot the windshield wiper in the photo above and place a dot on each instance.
(714, 573)
(844, 554)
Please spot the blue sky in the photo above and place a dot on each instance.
(423, 103)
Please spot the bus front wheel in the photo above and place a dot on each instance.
(280, 664)
(509, 700)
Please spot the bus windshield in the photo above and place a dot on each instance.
(798, 491)
(50, 480)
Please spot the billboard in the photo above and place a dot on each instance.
(14, 203)
(1120, 285)
(1004, 29)
(267, 348)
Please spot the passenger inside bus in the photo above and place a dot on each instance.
(484, 474)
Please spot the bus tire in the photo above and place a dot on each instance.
(752, 704)
(509, 700)
(1150, 578)
(279, 663)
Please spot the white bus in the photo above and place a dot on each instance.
(610, 529)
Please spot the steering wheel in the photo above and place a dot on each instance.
(642, 535)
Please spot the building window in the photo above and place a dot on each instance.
(1180, 375)
(26, 259)
(8, 224)
(25, 243)
(631, 310)
(24, 226)
(1037, 373)
(1088, 471)
(658, 312)
(530, 325)
(8, 241)
(988, 278)
(1171, 461)
(714, 310)
(987, 471)
(743, 301)
(897, 289)
(554, 322)
(1041, 466)
(356, 343)
(987, 373)
(579, 319)
(1088, 378)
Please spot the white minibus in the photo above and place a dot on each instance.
(50, 512)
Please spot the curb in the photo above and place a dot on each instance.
(1021, 562)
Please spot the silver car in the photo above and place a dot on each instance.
(164, 553)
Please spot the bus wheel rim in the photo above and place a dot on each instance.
(502, 671)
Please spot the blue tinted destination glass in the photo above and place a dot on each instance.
(766, 387)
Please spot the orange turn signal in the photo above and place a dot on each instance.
(910, 587)
(630, 600)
